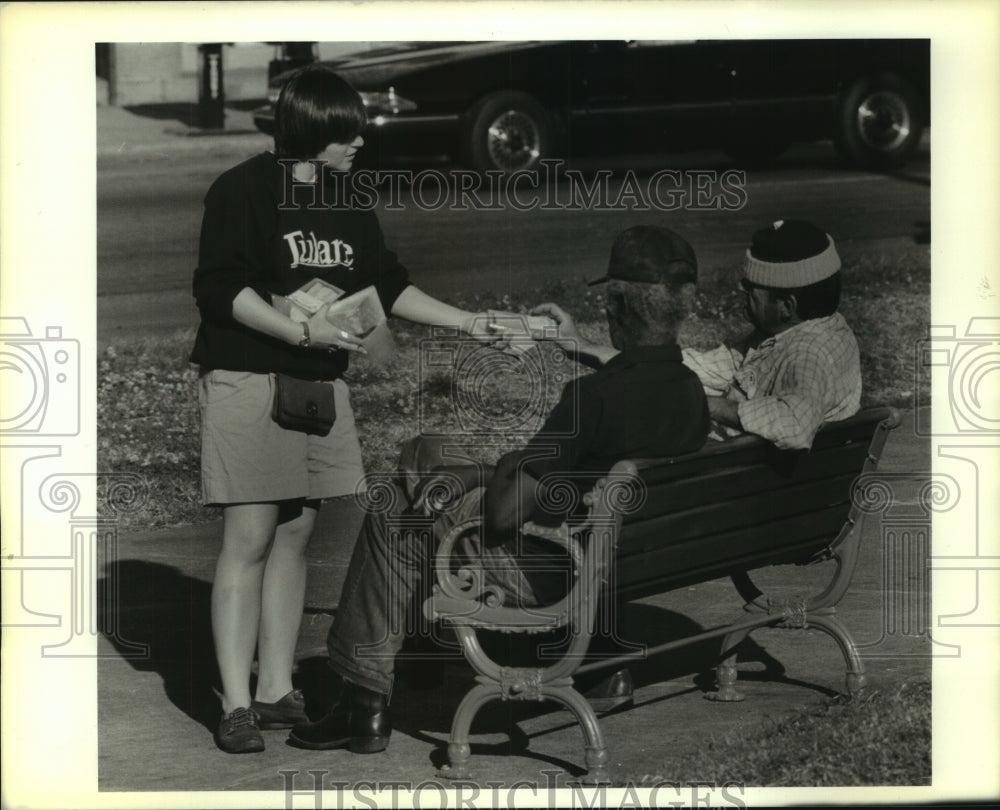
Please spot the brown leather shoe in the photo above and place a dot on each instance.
(284, 713)
(360, 723)
(239, 732)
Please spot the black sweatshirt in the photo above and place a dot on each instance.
(264, 231)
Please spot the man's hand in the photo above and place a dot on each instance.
(724, 411)
(569, 338)
(567, 335)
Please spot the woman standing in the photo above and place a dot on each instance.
(264, 233)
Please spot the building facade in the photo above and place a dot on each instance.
(137, 73)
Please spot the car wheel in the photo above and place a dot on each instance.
(508, 131)
(879, 121)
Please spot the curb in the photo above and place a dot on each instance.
(235, 142)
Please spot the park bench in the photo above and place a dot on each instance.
(653, 525)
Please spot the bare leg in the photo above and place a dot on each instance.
(248, 530)
(283, 598)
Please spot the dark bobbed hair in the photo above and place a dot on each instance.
(817, 300)
(316, 108)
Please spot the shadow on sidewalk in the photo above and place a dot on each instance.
(168, 611)
(186, 112)
(428, 690)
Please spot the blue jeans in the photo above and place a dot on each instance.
(389, 576)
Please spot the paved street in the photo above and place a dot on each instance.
(149, 206)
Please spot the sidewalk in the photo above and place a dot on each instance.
(121, 132)
(163, 582)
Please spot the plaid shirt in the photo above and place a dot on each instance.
(791, 383)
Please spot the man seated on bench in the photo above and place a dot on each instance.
(643, 402)
(799, 367)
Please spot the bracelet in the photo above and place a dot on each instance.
(306, 340)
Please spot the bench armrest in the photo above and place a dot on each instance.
(466, 581)
(456, 564)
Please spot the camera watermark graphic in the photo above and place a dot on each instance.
(488, 393)
(40, 381)
(551, 187)
(588, 511)
(61, 570)
(965, 396)
(904, 505)
(957, 368)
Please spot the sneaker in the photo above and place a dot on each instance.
(239, 732)
(284, 713)
(359, 722)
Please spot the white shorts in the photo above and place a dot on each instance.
(247, 458)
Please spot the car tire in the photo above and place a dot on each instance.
(506, 131)
(880, 120)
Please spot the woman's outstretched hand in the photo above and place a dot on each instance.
(326, 335)
(483, 327)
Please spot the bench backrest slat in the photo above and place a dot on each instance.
(719, 486)
(704, 558)
(740, 505)
(739, 512)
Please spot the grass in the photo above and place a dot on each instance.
(147, 422)
(148, 425)
(879, 738)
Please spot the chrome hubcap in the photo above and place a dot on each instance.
(884, 121)
(513, 141)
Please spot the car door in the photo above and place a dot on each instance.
(658, 93)
(784, 89)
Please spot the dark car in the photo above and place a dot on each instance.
(507, 105)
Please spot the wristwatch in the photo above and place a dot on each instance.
(306, 340)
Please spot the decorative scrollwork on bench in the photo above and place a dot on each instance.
(792, 610)
(521, 683)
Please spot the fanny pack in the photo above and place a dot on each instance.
(307, 407)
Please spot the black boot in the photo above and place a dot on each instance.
(610, 692)
(359, 722)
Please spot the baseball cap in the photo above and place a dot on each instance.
(651, 254)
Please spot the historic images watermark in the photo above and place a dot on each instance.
(473, 375)
(969, 362)
(52, 553)
(963, 424)
(552, 187)
(312, 788)
(41, 381)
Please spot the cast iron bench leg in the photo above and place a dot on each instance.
(726, 672)
(832, 626)
(595, 752)
(459, 750)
